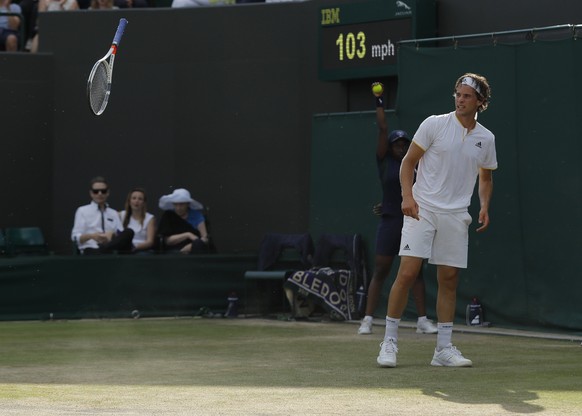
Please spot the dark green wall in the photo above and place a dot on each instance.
(222, 101)
(524, 268)
(73, 287)
(218, 100)
(26, 139)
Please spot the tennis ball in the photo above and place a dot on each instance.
(378, 89)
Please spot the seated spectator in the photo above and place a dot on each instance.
(57, 5)
(97, 228)
(129, 4)
(51, 6)
(29, 14)
(9, 26)
(136, 217)
(198, 3)
(182, 225)
(102, 5)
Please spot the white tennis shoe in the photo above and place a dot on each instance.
(387, 356)
(450, 356)
(425, 326)
(365, 326)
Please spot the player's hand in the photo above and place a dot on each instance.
(483, 220)
(377, 209)
(410, 207)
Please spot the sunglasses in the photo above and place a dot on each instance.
(101, 191)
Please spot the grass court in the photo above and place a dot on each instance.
(188, 366)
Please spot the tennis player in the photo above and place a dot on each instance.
(451, 151)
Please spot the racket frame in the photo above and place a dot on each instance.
(108, 67)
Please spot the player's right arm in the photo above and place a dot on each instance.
(382, 146)
(409, 163)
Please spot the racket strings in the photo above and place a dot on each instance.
(99, 88)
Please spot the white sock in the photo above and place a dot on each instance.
(444, 335)
(368, 318)
(391, 329)
(422, 318)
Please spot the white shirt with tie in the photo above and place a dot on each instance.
(90, 219)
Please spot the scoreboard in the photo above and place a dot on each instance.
(360, 40)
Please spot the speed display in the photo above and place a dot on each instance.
(360, 40)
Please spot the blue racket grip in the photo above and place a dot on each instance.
(120, 29)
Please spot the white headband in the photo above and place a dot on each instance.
(471, 83)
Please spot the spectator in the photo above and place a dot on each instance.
(198, 3)
(29, 14)
(129, 4)
(9, 26)
(102, 5)
(136, 217)
(390, 150)
(97, 228)
(57, 5)
(182, 225)
(51, 6)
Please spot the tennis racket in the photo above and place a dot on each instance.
(99, 83)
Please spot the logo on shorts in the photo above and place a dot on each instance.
(479, 145)
(406, 247)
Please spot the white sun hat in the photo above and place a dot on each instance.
(179, 195)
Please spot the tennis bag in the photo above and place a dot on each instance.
(327, 287)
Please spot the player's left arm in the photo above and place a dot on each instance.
(485, 192)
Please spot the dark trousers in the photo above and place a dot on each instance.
(120, 243)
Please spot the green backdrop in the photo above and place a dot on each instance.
(524, 268)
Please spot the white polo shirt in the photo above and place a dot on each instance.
(89, 219)
(450, 165)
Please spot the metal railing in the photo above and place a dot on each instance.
(531, 35)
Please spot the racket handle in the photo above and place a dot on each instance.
(120, 29)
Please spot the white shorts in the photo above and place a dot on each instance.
(442, 238)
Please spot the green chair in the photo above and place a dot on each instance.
(25, 241)
(279, 256)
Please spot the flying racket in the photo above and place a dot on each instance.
(99, 83)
